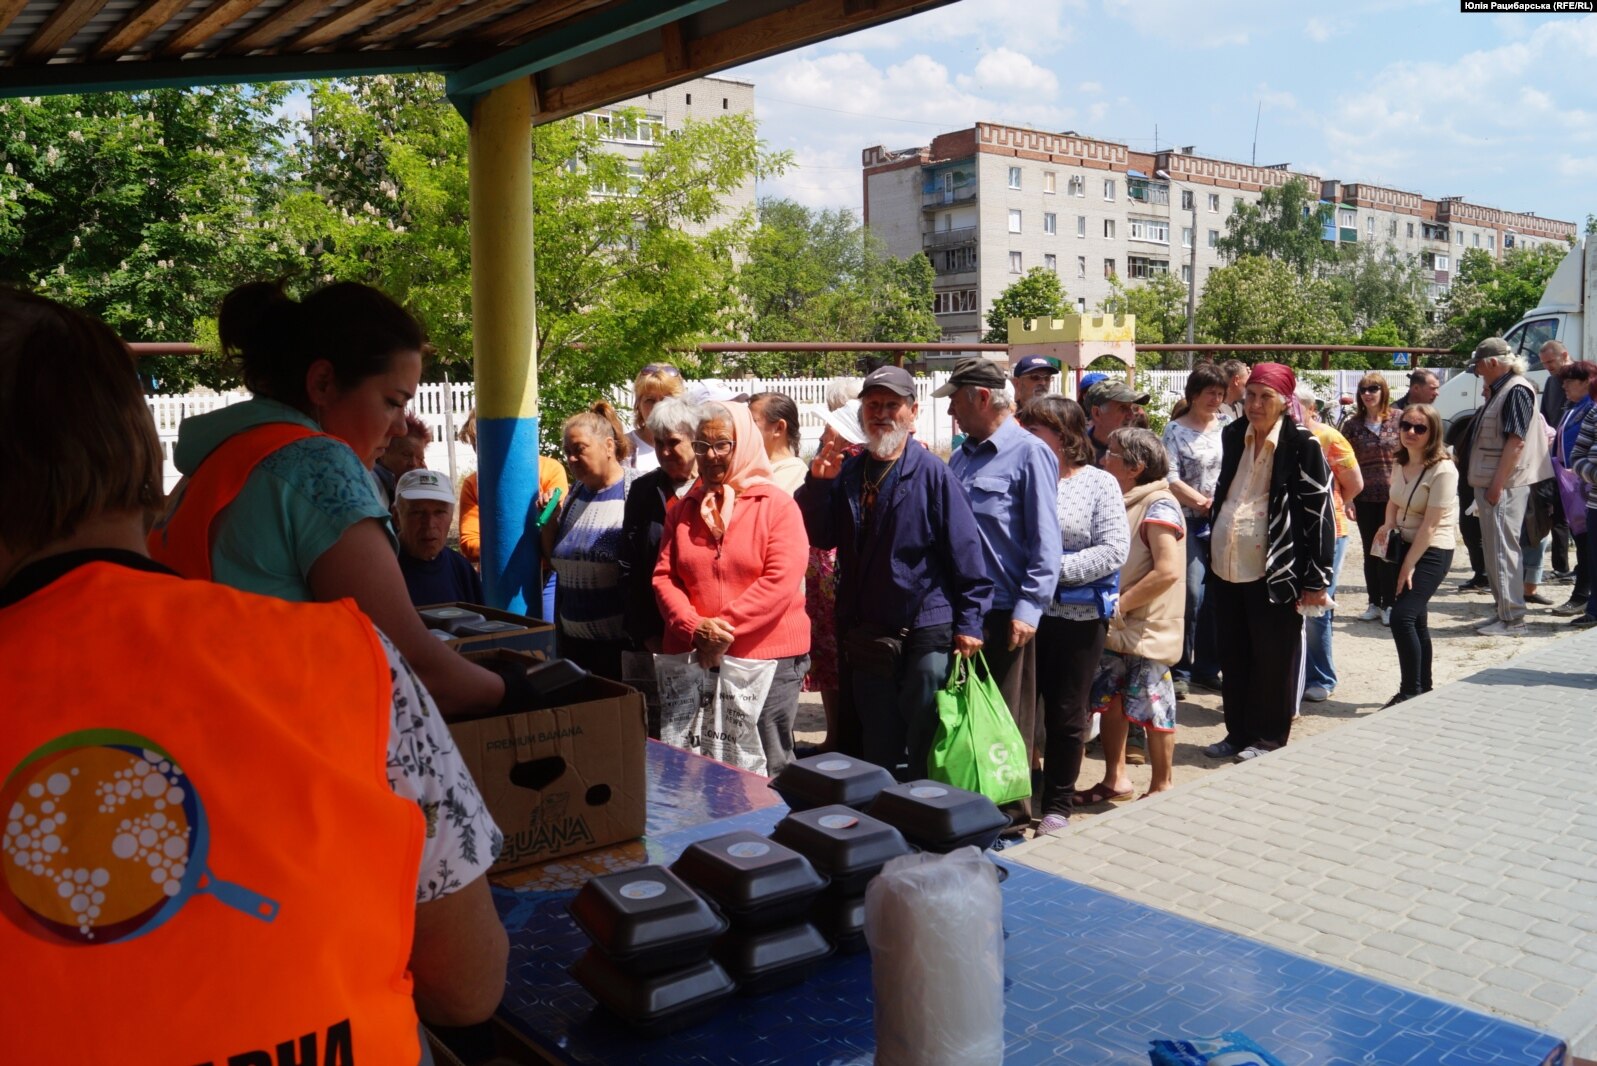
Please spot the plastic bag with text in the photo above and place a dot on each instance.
(715, 713)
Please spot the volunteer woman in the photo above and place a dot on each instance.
(1423, 509)
(730, 579)
(1270, 554)
(1133, 682)
(277, 496)
(1373, 433)
(278, 717)
(585, 547)
(1092, 526)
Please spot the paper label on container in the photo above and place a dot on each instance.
(838, 821)
(832, 766)
(926, 792)
(748, 849)
(643, 889)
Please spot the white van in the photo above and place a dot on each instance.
(1559, 316)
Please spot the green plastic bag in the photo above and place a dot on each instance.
(978, 746)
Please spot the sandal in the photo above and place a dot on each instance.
(1102, 793)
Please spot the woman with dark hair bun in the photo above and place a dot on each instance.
(277, 496)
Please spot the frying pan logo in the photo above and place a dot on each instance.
(104, 840)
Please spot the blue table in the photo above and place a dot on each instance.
(1090, 978)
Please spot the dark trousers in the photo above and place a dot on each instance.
(1199, 657)
(1410, 625)
(780, 710)
(602, 657)
(1469, 527)
(1561, 536)
(1591, 560)
(897, 716)
(1015, 670)
(1261, 659)
(1380, 577)
(1067, 658)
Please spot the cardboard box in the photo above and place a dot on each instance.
(561, 779)
(532, 636)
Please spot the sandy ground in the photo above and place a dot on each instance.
(1366, 665)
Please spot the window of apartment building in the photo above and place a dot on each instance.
(1369, 226)
(1081, 225)
(1187, 199)
(1214, 238)
(1411, 231)
(1186, 236)
(1477, 239)
(1014, 263)
(1108, 268)
(1014, 177)
(954, 302)
(725, 104)
(1051, 262)
(1109, 228)
(1214, 201)
(1186, 273)
(1149, 229)
(1077, 186)
(958, 260)
(689, 100)
(1081, 305)
(1443, 263)
(1109, 189)
(1050, 223)
(1081, 266)
(1048, 182)
(1138, 266)
(646, 128)
(1347, 218)
(1461, 238)
(1491, 241)
(1391, 228)
(1014, 221)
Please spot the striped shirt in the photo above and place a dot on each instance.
(1583, 456)
(585, 558)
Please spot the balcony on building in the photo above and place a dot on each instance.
(936, 240)
(1145, 190)
(944, 195)
(1433, 232)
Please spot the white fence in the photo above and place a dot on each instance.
(445, 405)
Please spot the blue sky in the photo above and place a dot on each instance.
(1499, 109)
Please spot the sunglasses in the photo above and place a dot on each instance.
(719, 447)
(1371, 388)
(661, 368)
(1415, 427)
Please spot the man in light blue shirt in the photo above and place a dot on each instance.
(1012, 480)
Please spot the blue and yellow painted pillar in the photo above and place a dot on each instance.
(504, 332)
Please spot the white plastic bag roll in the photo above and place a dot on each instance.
(935, 927)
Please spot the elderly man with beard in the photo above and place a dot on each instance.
(912, 581)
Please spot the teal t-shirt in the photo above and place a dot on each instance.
(294, 506)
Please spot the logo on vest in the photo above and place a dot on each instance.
(105, 840)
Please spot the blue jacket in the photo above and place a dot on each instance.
(923, 565)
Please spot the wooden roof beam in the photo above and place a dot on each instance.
(65, 21)
(404, 21)
(193, 34)
(339, 24)
(270, 29)
(470, 14)
(9, 10)
(518, 25)
(139, 23)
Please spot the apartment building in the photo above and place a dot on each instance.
(988, 203)
(701, 99)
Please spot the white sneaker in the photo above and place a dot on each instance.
(1386, 616)
(1502, 629)
(1316, 693)
(1371, 613)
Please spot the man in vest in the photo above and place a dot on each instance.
(203, 839)
(1507, 456)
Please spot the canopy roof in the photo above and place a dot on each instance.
(581, 53)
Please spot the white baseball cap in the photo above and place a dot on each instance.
(424, 485)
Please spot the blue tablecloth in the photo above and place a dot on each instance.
(1090, 978)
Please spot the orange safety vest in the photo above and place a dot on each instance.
(182, 539)
(203, 861)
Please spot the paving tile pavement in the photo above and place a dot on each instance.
(1447, 845)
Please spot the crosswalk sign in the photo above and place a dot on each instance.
(1400, 360)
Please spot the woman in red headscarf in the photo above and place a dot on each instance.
(730, 579)
(1269, 558)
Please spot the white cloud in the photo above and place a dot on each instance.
(1003, 70)
(1090, 88)
(1319, 30)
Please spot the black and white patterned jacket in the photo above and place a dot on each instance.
(1302, 525)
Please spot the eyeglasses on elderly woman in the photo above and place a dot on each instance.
(719, 447)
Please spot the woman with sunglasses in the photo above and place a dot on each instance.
(730, 579)
(1422, 508)
(654, 383)
(1372, 430)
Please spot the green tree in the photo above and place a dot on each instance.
(1263, 301)
(1037, 294)
(1160, 306)
(144, 208)
(1287, 224)
(820, 276)
(1488, 296)
(1369, 285)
